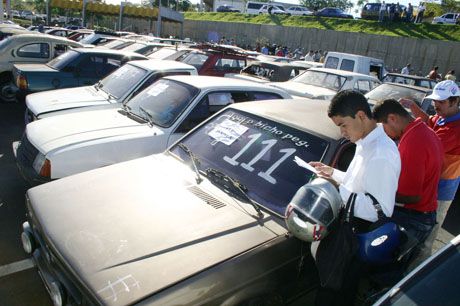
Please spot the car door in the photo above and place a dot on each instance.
(33, 52)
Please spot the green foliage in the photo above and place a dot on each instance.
(423, 31)
(319, 4)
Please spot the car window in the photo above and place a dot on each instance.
(449, 16)
(195, 59)
(60, 49)
(266, 96)
(389, 91)
(122, 80)
(229, 64)
(321, 79)
(347, 65)
(434, 285)
(154, 77)
(332, 62)
(63, 60)
(257, 152)
(363, 86)
(39, 50)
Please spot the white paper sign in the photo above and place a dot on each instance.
(227, 132)
(157, 89)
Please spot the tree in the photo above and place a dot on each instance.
(319, 4)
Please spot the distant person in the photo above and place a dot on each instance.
(392, 11)
(434, 74)
(316, 56)
(309, 56)
(398, 12)
(41, 28)
(450, 75)
(264, 50)
(420, 12)
(409, 12)
(323, 57)
(297, 53)
(406, 70)
(382, 11)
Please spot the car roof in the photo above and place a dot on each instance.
(154, 64)
(409, 76)
(204, 82)
(354, 55)
(107, 51)
(303, 114)
(424, 89)
(343, 73)
(31, 37)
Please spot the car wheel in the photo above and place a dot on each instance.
(7, 90)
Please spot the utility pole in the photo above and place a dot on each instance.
(83, 14)
(1, 11)
(158, 29)
(120, 18)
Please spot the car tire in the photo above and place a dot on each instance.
(7, 94)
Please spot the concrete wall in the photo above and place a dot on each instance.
(423, 54)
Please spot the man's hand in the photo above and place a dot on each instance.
(323, 170)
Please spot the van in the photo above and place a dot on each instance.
(355, 63)
(254, 7)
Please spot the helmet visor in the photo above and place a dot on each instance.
(316, 206)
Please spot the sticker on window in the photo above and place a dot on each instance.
(157, 89)
(227, 132)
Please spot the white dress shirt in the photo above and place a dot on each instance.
(405, 70)
(374, 169)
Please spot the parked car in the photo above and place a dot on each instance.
(207, 215)
(116, 44)
(227, 9)
(77, 67)
(397, 91)
(10, 31)
(27, 15)
(272, 9)
(308, 64)
(409, 80)
(146, 124)
(168, 53)
(215, 60)
(323, 83)
(98, 38)
(449, 18)
(333, 12)
(78, 35)
(299, 11)
(265, 72)
(144, 47)
(27, 48)
(355, 63)
(57, 31)
(118, 87)
(431, 283)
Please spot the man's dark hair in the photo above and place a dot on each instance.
(348, 103)
(386, 107)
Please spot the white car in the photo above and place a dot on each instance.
(449, 18)
(149, 123)
(118, 87)
(272, 9)
(323, 83)
(299, 11)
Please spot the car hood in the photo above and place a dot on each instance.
(60, 131)
(304, 90)
(61, 99)
(34, 68)
(132, 229)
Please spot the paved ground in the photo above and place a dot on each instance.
(20, 284)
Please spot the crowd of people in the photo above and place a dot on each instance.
(396, 12)
(433, 74)
(414, 181)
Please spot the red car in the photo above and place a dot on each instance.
(215, 60)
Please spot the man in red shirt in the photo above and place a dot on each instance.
(421, 154)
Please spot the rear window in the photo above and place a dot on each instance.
(63, 60)
(332, 62)
(254, 6)
(347, 65)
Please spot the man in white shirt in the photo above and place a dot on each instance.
(382, 11)
(406, 70)
(309, 56)
(374, 169)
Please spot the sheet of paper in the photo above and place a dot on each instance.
(227, 132)
(301, 163)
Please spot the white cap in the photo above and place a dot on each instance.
(444, 90)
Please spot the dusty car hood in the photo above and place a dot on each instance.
(304, 90)
(60, 99)
(72, 129)
(34, 68)
(129, 240)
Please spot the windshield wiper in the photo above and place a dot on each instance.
(194, 160)
(149, 115)
(98, 85)
(232, 185)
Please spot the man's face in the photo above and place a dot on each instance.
(350, 128)
(445, 108)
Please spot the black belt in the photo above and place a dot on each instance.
(413, 211)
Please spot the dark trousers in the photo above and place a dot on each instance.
(418, 224)
(346, 296)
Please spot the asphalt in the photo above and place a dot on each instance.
(24, 287)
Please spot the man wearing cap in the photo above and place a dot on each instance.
(417, 190)
(446, 124)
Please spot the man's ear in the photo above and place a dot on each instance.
(392, 118)
(361, 115)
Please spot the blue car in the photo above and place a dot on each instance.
(77, 67)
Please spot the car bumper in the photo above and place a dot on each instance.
(25, 155)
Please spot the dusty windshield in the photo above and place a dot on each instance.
(257, 152)
(388, 91)
(162, 102)
(122, 80)
(322, 79)
(195, 59)
(134, 47)
(63, 60)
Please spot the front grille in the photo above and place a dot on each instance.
(26, 152)
(207, 198)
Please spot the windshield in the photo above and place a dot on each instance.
(122, 80)
(5, 42)
(63, 60)
(134, 47)
(88, 39)
(116, 44)
(195, 59)
(257, 152)
(163, 101)
(389, 91)
(162, 53)
(322, 79)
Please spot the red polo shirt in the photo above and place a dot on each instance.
(421, 154)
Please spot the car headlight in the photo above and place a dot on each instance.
(42, 165)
